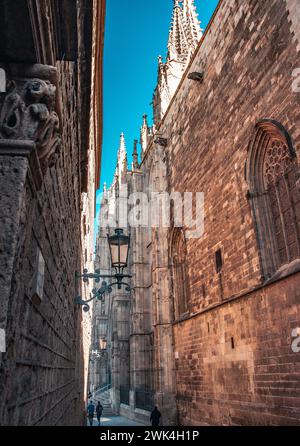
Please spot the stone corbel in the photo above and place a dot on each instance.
(28, 115)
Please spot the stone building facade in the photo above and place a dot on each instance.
(209, 330)
(50, 138)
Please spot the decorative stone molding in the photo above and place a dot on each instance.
(28, 110)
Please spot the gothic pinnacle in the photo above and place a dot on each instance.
(145, 123)
(135, 156)
(192, 24)
(122, 148)
(121, 168)
(177, 45)
(184, 36)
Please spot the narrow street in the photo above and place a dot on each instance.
(149, 217)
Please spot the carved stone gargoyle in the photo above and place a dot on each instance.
(161, 141)
(27, 112)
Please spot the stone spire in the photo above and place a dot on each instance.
(177, 44)
(122, 148)
(121, 169)
(192, 25)
(144, 134)
(184, 36)
(135, 156)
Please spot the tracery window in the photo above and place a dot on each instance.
(275, 198)
(179, 273)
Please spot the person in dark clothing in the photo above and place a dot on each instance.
(155, 417)
(99, 410)
(90, 412)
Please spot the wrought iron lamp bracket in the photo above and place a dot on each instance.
(105, 287)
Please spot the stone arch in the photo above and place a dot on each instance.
(272, 173)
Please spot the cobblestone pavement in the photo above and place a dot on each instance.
(114, 420)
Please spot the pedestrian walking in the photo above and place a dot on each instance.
(91, 412)
(155, 417)
(99, 410)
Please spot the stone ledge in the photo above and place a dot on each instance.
(138, 415)
(26, 149)
(284, 272)
(45, 72)
(14, 147)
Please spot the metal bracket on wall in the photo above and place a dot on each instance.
(98, 294)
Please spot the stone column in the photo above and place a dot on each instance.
(14, 165)
(165, 382)
(141, 350)
(120, 341)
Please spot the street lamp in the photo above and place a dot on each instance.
(119, 249)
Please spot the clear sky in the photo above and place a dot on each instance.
(136, 33)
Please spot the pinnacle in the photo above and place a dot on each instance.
(135, 156)
(122, 146)
(184, 31)
(176, 3)
(145, 123)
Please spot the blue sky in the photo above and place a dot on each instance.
(136, 34)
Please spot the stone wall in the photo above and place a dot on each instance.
(50, 151)
(235, 363)
(228, 359)
(42, 369)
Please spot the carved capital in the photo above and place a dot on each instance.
(28, 110)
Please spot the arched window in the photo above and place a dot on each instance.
(272, 175)
(179, 273)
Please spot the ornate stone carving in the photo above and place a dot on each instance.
(27, 112)
(278, 161)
